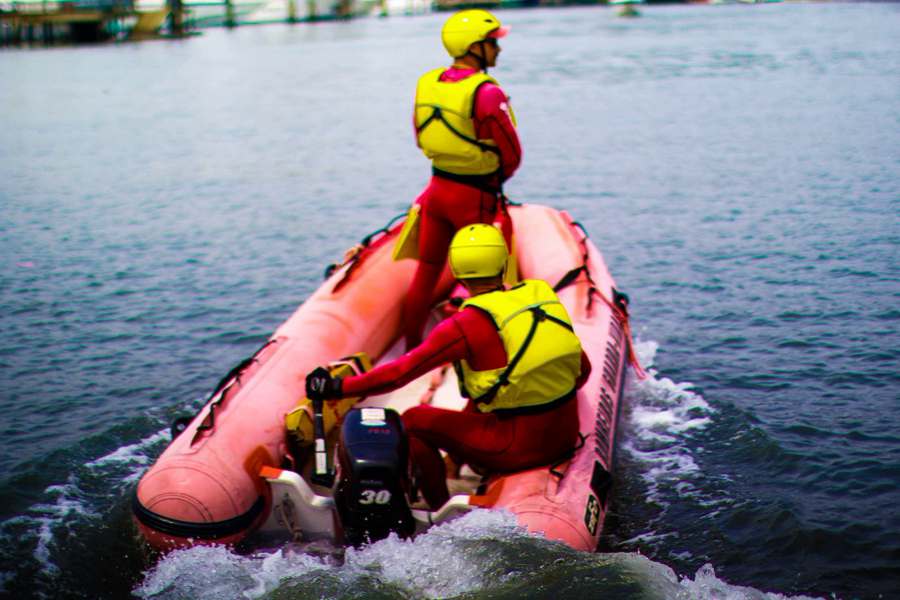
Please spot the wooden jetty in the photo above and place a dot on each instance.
(77, 21)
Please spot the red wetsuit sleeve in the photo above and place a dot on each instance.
(469, 335)
(492, 121)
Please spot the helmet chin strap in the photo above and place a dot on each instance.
(482, 61)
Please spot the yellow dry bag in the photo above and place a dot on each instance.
(299, 422)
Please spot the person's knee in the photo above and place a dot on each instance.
(414, 418)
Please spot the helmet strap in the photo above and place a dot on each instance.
(481, 58)
(483, 285)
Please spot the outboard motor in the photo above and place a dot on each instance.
(373, 476)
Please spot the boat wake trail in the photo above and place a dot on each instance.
(662, 421)
(37, 544)
(83, 498)
(448, 561)
(483, 553)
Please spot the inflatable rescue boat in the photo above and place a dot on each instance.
(259, 458)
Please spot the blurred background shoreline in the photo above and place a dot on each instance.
(36, 23)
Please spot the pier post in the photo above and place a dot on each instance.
(177, 18)
(229, 14)
(292, 11)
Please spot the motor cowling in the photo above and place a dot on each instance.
(371, 494)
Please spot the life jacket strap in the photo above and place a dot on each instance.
(438, 114)
(538, 315)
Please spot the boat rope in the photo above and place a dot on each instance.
(569, 455)
(354, 256)
(221, 390)
(618, 304)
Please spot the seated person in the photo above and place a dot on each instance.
(519, 364)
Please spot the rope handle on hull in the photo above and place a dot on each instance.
(226, 383)
(618, 304)
(355, 255)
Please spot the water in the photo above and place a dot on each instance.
(166, 205)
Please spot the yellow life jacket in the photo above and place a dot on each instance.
(543, 351)
(445, 129)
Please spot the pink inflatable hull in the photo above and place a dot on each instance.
(206, 488)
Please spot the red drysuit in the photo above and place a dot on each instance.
(450, 204)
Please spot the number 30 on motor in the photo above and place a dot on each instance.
(375, 497)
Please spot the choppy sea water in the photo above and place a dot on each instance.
(165, 205)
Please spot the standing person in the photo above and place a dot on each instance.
(518, 361)
(464, 124)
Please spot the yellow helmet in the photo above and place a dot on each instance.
(466, 27)
(478, 251)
